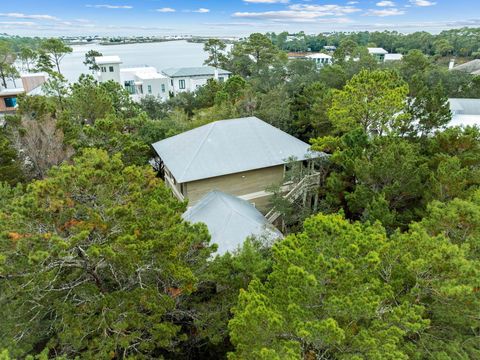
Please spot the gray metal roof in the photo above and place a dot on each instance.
(228, 147)
(465, 112)
(194, 71)
(230, 220)
(470, 67)
(376, 50)
(465, 106)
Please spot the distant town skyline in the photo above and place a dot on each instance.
(231, 18)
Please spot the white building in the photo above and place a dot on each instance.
(393, 57)
(191, 78)
(109, 68)
(465, 112)
(320, 59)
(378, 53)
(144, 81)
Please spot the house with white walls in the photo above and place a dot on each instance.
(320, 59)
(191, 78)
(109, 68)
(139, 81)
(378, 53)
(145, 81)
(393, 57)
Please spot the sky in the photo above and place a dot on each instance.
(231, 17)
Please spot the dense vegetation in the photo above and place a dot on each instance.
(457, 42)
(96, 262)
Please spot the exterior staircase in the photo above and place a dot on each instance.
(301, 188)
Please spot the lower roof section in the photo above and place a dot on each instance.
(230, 220)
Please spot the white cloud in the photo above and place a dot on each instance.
(303, 13)
(422, 2)
(352, 2)
(385, 12)
(266, 1)
(107, 6)
(385, 3)
(165, 10)
(202, 10)
(18, 23)
(25, 16)
(326, 10)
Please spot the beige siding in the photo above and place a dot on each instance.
(236, 184)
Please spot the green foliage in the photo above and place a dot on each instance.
(372, 100)
(342, 290)
(10, 169)
(101, 250)
(215, 49)
(253, 55)
(54, 50)
(90, 60)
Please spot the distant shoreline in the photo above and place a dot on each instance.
(149, 41)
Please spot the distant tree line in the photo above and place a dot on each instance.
(462, 42)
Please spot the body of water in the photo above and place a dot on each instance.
(161, 55)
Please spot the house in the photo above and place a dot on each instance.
(378, 53)
(143, 81)
(230, 220)
(329, 48)
(320, 59)
(191, 78)
(471, 67)
(465, 112)
(393, 57)
(109, 68)
(31, 83)
(241, 157)
(138, 81)
(8, 99)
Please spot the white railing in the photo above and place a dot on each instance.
(294, 193)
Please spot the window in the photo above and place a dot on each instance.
(221, 79)
(163, 87)
(111, 68)
(130, 86)
(149, 88)
(171, 82)
(104, 69)
(181, 84)
(10, 102)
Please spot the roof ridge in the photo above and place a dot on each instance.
(212, 125)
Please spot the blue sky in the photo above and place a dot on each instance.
(231, 17)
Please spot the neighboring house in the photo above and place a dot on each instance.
(393, 57)
(465, 112)
(191, 78)
(144, 81)
(230, 220)
(241, 157)
(138, 81)
(320, 59)
(378, 53)
(31, 84)
(330, 48)
(471, 67)
(109, 68)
